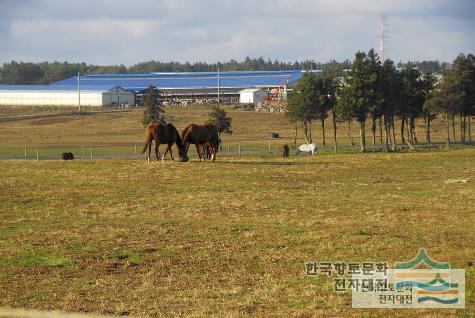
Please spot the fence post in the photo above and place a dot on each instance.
(37, 155)
(135, 149)
(239, 150)
(269, 144)
(228, 148)
(91, 153)
(25, 152)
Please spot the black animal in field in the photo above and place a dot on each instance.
(285, 151)
(67, 156)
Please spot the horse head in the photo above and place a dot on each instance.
(217, 143)
(182, 153)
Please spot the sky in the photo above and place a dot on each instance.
(113, 32)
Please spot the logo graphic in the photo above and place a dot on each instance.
(419, 283)
(422, 258)
(438, 289)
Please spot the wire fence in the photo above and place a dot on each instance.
(227, 150)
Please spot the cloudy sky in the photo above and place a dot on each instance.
(127, 32)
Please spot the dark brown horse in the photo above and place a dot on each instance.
(203, 137)
(163, 134)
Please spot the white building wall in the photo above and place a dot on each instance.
(252, 96)
(53, 98)
(246, 98)
(118, 96)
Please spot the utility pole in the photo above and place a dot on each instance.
(79, 93)
(218, 87)
(383, 35)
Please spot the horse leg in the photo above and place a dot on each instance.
(149, 151)
(156, 150)
(165, 153)
(204, 152)
(209, 152)
(198, 150)
(169, 148)
(213, 154)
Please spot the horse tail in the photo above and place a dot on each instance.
(149, 140)
(149, 135)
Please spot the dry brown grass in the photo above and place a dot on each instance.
(228, 238)
(124, 130)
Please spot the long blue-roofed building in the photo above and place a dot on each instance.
(117, 87)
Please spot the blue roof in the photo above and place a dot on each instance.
(95, 88)
(138, 82)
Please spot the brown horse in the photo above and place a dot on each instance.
(203, 137)
(163, 134)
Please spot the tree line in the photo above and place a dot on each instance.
(380, 92)
(22, 73)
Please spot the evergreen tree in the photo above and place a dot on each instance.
(359, 92)
(445, 98)
(324, 102)
(461, 78)
(21, 73)
(331, 75)
(153, 107)
(411, 104)
(375, 108)
(344, 109)
(390, 94)
(221, 119)
(427, 85)
(303, 103)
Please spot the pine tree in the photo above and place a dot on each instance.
(221, 119)
(427, 85)
(359, 91)
(445, 98)
(412, 102)
(344, 109)
(391, 87)
(462, 80)
(153, 107)
(303, 104)
(375, 108)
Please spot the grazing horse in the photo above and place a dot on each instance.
(312, 148)
(204, 137)
(163, 134)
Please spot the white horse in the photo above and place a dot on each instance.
(312, 148)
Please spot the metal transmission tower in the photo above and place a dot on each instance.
(383, 36)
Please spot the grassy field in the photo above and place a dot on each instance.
(228, 238)
(121, 133)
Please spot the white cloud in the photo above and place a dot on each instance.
(115, 32)
(102, 27)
